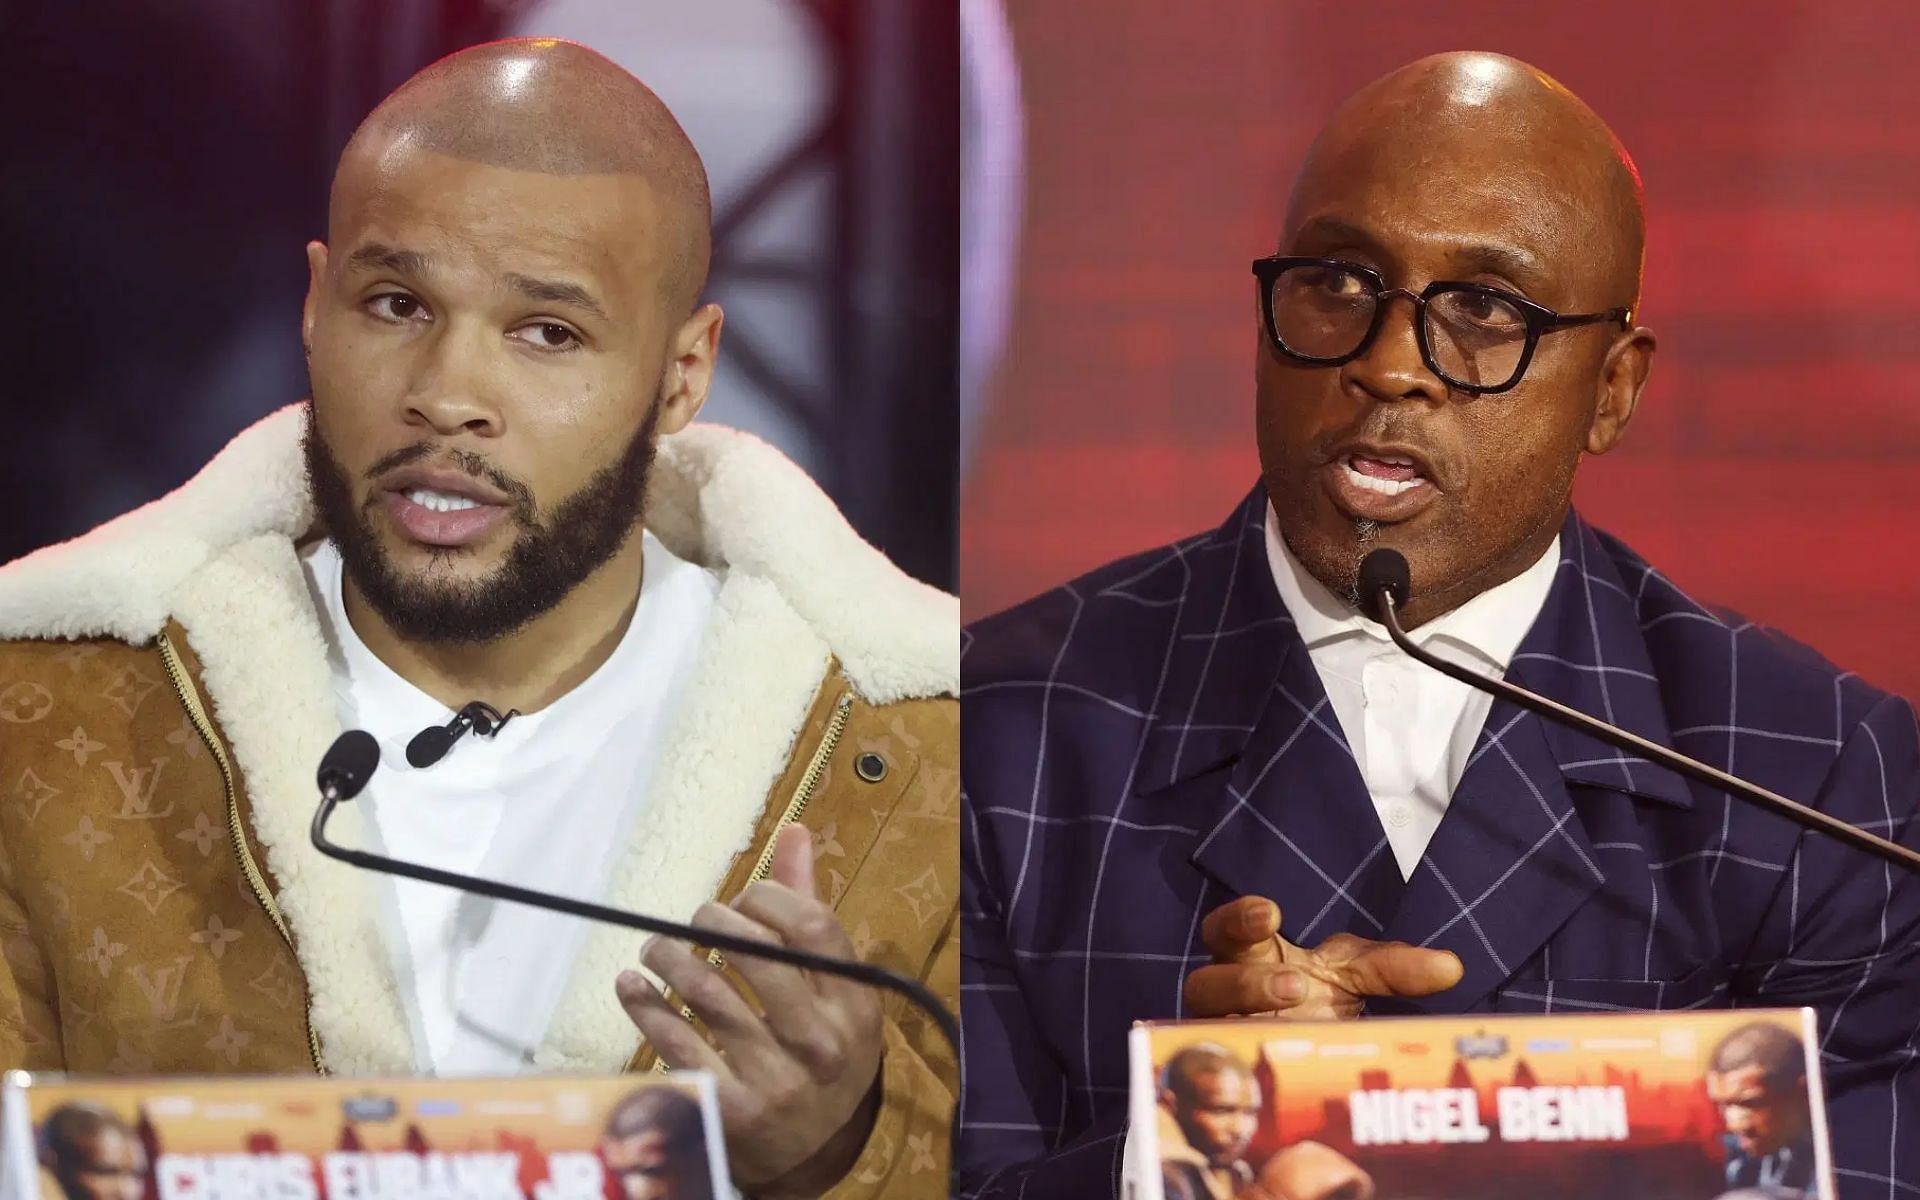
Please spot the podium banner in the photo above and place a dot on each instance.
(653, 1137)
(1655, 1106)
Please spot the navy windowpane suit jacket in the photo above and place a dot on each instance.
(1152, 740)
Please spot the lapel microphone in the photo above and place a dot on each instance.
(1384, 584)
(431, 744)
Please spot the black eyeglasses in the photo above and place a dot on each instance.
(1477, 338)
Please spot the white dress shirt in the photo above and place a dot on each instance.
(545, 803)
(1411, 728)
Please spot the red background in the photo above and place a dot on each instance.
(1781, 152)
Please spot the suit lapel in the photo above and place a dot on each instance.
(1508, 865)
(1295, 821)
(1247, 749)
(1513, 857)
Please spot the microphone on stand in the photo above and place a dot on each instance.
(1385, 582)
(431, 744)
(350, 762)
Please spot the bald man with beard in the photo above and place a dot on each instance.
(721, 704)
(1199, 783)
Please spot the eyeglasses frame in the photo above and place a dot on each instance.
(1538, 317)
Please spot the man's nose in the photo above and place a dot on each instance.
(1392, 367)
(451, 390)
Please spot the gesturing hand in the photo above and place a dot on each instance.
(798, 1078)
(1256, 972)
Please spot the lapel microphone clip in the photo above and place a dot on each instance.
(431, 744)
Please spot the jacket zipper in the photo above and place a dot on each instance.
(809, 783)
(802, 796)
(203, 725)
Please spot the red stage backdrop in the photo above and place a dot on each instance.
(1780, 144)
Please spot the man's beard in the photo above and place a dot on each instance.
(548, 559)
(1367, 533)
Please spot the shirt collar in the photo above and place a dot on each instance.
(1492, 624)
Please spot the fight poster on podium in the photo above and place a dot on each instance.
(1721, 1105)
(655, 1137)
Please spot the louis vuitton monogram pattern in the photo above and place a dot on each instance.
(888, 870)
(130, 942)
(126, 947)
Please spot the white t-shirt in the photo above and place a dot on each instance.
(546, 803)
(1411, 728)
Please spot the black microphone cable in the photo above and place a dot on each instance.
(350, 762)
(1386, 581)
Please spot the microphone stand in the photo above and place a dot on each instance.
(1632, 743)
(846, 968)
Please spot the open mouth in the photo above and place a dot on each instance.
(443, 509)
(440, 501)
(1379, 483)
(1386, 475)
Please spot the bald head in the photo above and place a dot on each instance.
(550, 107)
(1514, 122)
(1187, 1067)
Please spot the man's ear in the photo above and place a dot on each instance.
(689, 369)
(1623, 376)
(316, 276)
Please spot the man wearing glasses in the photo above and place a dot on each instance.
(1199, 783)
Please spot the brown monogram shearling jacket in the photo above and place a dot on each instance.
(164, 700)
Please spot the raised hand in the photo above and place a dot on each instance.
(798, 1074)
